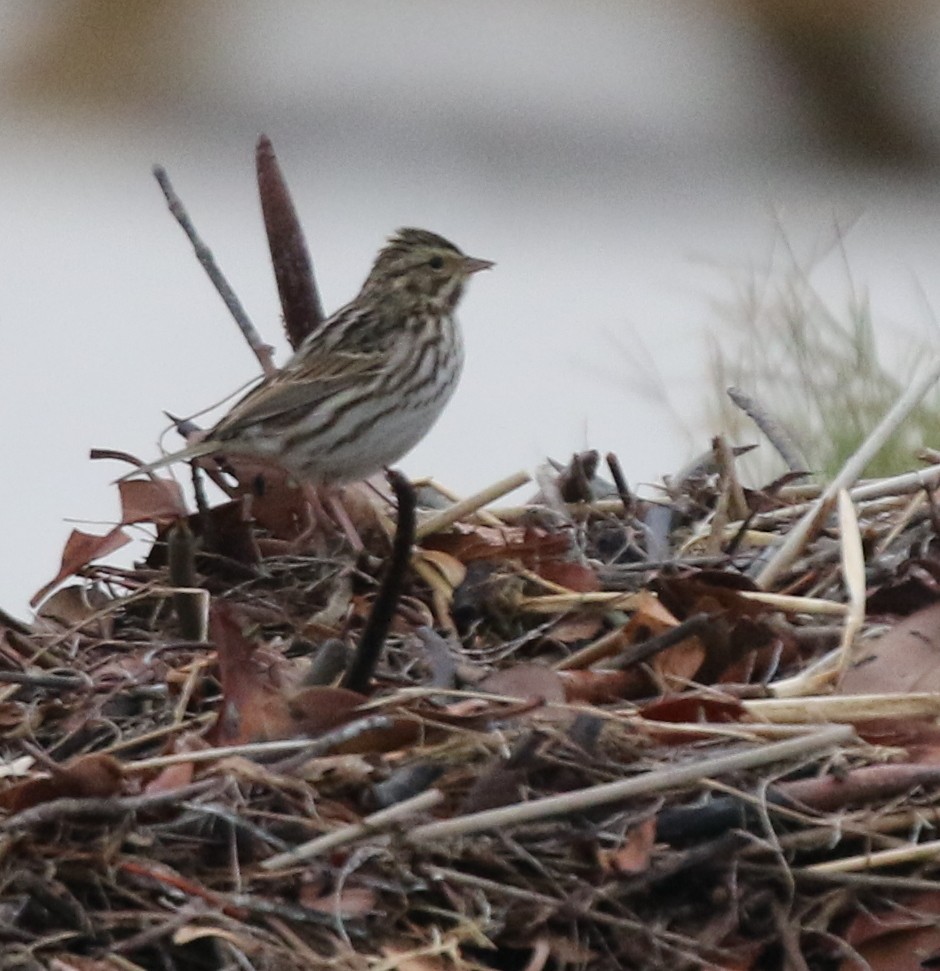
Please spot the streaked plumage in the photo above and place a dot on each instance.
(368, 384)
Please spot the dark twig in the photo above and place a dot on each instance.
(285, 909)
(574, 480)
(189, 604)
(636, 653)
(322, 745)
(113, 453)
(620, 483)
(263, 352)
(56, 682)
(14, 623)
(290, 258)
(369, 648)
(97, 808)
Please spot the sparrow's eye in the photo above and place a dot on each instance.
(436, 262)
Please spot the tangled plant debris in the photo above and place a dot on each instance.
(588, 730)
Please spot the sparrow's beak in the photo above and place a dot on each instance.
(472, 265)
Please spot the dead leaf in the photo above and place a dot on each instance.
(197, 932)
(74, 605)
(905, 659)
(349, 903)
(275, 501)
(597, 687)
(223, 531)
(176, 776)
(650, 617)
(685, 709)
(80, 549)
(677, 665)
(88, 777)
(449, 567)
(574, 628)
(154, 500)
(319, 709)
(526, 544)
(919, 737)
(253, 708)
(633, 855)
(571, 576)
(526, 681)
(896, 939)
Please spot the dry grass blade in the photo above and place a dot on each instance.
(558, 603)
(921, 852)
(853, 570)
(805, 710)
(796, 605)
(466, 507)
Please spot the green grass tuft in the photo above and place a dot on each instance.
(820, 372)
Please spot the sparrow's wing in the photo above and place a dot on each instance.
(304, 384)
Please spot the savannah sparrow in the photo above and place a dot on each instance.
(368, 383)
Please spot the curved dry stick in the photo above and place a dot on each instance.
(775, 433)
(369, 648)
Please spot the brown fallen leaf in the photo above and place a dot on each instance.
(320, 708)
(894, 939)
(349, 903)
(468, 543)
(253, 708)
(526, 681)
(676, 666)
(75, 605)
(155, 500)
(181, 774)
(80, 549)
(905, 659)
(87, 777)
(572, 576)
(633, 854)
(598, 687)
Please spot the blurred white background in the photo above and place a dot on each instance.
(617, 159)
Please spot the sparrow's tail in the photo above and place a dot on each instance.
(196, 451)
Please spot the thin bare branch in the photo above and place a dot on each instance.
(262, 351)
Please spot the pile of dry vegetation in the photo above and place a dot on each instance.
(587, 731)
